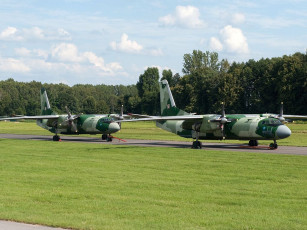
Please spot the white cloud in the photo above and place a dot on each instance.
(215, 44)
(234, 40)
(184, 16)
(33, 33)
(126, 45)
(63, 35)
(238, 18)
(40, 53)
(14, 34)
(99, 62)
(22, 51)
(231, 39)
(156, 52)
(13, 65)
(10, 33)
(66, 52)
(61, 60)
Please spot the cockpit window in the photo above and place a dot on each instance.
(107, 120)
(271, 122)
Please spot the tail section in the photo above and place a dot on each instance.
(168, 106)
(45, 106)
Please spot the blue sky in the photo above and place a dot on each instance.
(113, 42)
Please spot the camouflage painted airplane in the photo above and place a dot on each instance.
(218, 127)
(104, 124)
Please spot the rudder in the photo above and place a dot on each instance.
(45, 105)
(168, 106)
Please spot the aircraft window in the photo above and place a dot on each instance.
(275, 122)
(107, 120)
(272, 122)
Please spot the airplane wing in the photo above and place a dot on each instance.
(165, 118)
(286, 116)
(30, 117)
(117, 116)
(295, 117)
(134, 115)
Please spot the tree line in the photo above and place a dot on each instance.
(250, 87)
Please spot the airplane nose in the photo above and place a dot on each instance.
(282, 132)
(114, 127)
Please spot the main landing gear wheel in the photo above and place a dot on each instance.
(109, 139)
(56, 138)
(196, 145)
(253, 143)
(104, 137)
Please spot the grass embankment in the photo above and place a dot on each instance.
(149, 131)
(85, 186)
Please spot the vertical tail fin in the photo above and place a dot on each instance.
(168, 106)
(45, 106)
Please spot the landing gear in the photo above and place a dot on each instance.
(273, 145)
(253, 143)
(196, 145)
(104, 137)
(56, 138)
(107, 137)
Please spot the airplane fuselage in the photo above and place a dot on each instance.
(85, 124)
(240, 127)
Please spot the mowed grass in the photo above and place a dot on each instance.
(149, 131)
(91, 186)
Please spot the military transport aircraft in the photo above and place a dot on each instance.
(252, 127)
(104, 124)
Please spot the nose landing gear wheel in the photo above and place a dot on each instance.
(273, 145)
(109, 138)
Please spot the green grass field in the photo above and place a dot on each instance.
(87, 186)
(149, 131)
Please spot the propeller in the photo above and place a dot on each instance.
(222, 120)
(121, 116)
(70, 120)
(281, 113)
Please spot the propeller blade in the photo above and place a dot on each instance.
(281, 113)
(121, 112)
(223, 109)
(70, 120)
(223, 117)
(121, 116)
(68, 112)
(74, 127)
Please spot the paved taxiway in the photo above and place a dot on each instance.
(9, 225)
(291, 150)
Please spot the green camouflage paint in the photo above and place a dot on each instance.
(85, 123)
(238, 126)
